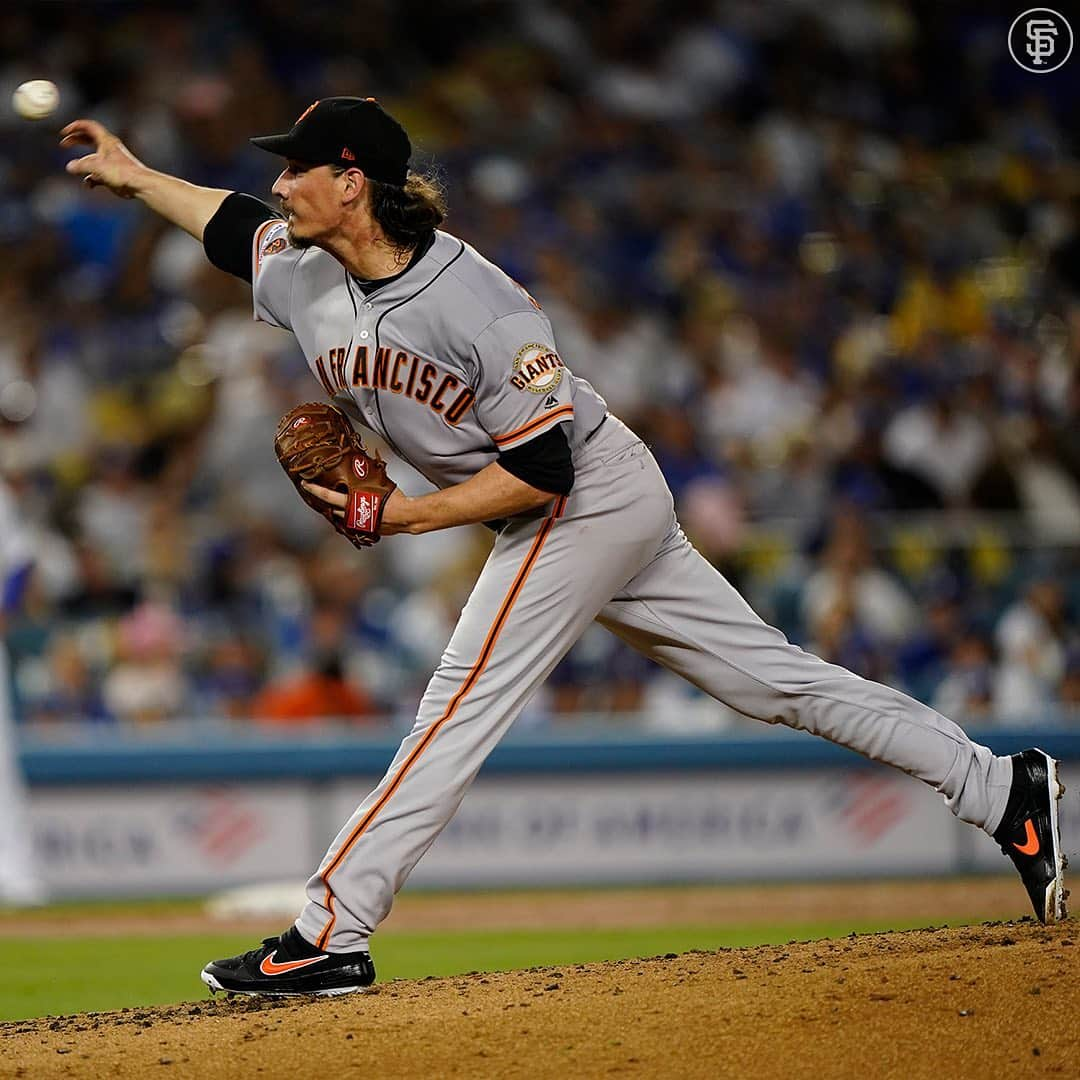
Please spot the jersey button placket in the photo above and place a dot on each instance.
(365, 322)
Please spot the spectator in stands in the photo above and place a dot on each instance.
(70, 693)
(97, 592)
(942, 442)
(1032, 637)
(925, 656)
(229, 677)
(1045, 488)
(320, 692)
(967, 691)
(147, 683)
(850, 591)
(112, 513)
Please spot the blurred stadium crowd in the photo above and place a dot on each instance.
(824, 258)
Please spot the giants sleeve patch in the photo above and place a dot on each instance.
(536, 368)
(270, 238)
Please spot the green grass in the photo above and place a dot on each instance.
(56, 976)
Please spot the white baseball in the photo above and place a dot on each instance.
(36, 99)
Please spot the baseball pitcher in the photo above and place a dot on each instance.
(413, 334)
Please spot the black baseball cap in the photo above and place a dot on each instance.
(346, 131)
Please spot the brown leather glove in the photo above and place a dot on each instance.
(315, 442)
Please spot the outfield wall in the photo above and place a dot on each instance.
(156, 815)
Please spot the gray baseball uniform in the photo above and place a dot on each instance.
(451, 363)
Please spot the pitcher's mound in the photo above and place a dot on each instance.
(999, 999)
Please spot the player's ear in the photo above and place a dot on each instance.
(354, 183)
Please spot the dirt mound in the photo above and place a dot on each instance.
(996, 999)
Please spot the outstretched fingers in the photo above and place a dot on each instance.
(82, 131)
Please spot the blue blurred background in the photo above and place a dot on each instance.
(824, 258)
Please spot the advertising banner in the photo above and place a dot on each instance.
(550, 829)
(174, 838)
(528, 829)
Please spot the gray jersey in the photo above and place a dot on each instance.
(450, 363)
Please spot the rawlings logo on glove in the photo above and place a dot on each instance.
(316, 443)
(364, 508)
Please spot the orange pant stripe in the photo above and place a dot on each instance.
(470, 681)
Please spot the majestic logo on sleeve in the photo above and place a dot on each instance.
(537, 368)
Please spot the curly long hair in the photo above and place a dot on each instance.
(408, 214)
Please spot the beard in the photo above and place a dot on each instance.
(299, 242)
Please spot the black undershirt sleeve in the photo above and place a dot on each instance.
(543, 462)
(229, 233)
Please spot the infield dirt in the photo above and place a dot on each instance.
(1000, 999)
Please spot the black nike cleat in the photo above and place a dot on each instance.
(1029, 833)
(288, 965)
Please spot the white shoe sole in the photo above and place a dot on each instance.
(1054, 908)
(337, 991)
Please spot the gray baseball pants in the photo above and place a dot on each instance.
(612, 551)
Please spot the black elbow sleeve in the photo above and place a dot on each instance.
(228, 235)
(543, 462)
